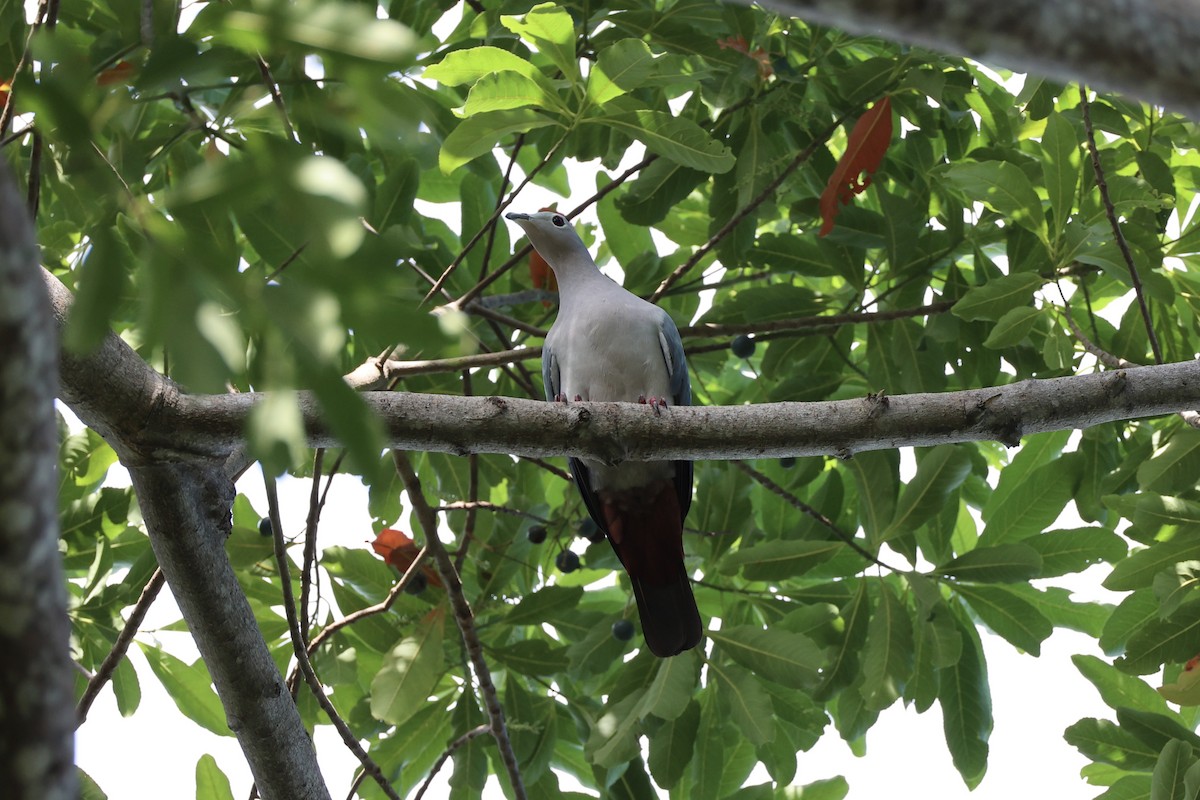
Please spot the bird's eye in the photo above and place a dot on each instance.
(558, 221)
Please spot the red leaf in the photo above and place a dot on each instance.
(397, 549)
(121, 72)
(865, 149)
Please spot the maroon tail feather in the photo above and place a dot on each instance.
(645, 528)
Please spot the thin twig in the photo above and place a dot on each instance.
(484, 505)
(464, 617)
(819, 321)
(1111, 212)
(805, 508)
(474, 733)
(120, 647)
(301, 652)
(309, 570)
(491, 221)
(265, 70)
(527, 249)
(363, 613)
(747, 209)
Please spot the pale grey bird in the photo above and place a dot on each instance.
(610, 345)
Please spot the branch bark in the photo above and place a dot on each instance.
(614, 432)
(1149, 50)
(186, 506)
(37, 726)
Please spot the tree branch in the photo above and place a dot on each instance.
(464, 617)
(1109, 211)
(614, 432)
(186, 507)
(37, 709)
(1152, 55)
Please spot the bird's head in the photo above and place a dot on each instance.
(552, 235)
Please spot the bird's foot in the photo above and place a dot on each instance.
(656, 403)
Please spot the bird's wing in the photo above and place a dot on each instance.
(681, 394)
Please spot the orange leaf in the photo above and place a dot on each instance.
(865, 149)
(121, 72)
(397, 549)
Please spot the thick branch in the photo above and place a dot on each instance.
(1148, 49)
(626, 431)
(37, 715)
(186, 508)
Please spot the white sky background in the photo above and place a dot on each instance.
(154, 753)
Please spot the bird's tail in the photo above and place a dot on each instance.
(645, 527)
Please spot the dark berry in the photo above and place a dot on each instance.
(537, 534)
(622, 630)
(417, 584)
(567, 561)
(787, 462)
(264, 526)
(589, 530)
(742, 346)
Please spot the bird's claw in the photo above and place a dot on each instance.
(656, 403)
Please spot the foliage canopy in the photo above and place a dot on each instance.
(262, 196)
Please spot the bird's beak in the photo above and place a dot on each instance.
(516, 217)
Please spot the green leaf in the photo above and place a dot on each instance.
(997, 297)
(1168, 778)
(502, 91)
(1034, 505)
(1150, 512)
(747, 701)
(671, 691)
(409, 673)
(126, 688)
(470, 65)
(887, 659)
(190, 686)
(709, 764)
(1156, 730)
(1008, 615)
(613, 739)
(1139, 568)
(1118, 689)
(1012, 328)
(1173, 469)
(842, 669)
(211, 783)
(1004, 563)
(1035, 452)
(551, 29)
(1158, 641)
(939, 473)
(672, 746)
(967, 710)
(876, 473)
(1130, 787)
(477, 135)
(1060, 168)
(619, 69)
(1104, 741)
(545, 604)
(1001, 186)
(675, 138)
(780, 559)
(787, 658)
(1075, 550)
(533, 657)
